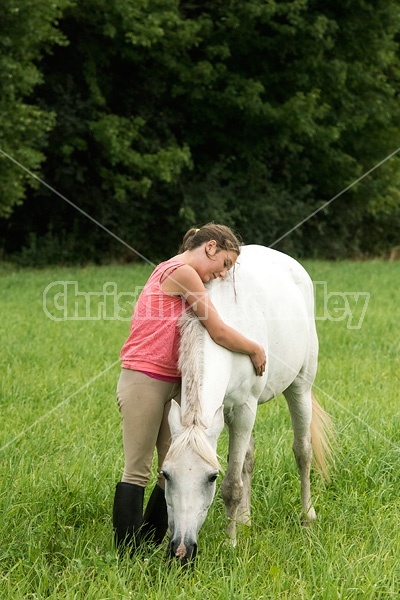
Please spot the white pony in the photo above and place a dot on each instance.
(269, 298)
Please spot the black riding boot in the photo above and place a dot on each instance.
(127, 515)
(155, 519)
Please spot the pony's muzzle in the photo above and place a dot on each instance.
(185, 551)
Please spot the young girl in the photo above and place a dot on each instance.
(150, 377)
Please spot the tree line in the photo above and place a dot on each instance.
(151, 116)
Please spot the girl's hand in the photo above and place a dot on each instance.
(259, 359)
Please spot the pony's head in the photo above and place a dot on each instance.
(190, 470)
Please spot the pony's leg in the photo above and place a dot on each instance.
(244, 509)
(232, 487)
(300, 407)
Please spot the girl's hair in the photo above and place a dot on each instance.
(223, 235)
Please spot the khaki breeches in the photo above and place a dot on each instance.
(144, 403)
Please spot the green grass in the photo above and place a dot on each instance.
(61, 455)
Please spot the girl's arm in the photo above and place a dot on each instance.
(187, 282)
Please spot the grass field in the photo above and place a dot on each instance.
(61, 452)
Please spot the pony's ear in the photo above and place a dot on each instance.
(174, 419)
(217, 424)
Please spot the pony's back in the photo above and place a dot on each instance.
(269, 298)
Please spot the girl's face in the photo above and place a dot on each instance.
(217, 262)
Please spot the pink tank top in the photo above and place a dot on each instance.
(153, 342)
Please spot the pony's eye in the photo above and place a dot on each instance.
(212, 477)
(165, 475)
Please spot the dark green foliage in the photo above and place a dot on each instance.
(27, 30)
(159, 114)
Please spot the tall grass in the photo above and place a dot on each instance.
(61, 455)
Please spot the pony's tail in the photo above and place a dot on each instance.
(322, 438)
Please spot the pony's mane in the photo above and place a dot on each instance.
(191, 363)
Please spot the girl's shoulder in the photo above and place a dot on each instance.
(178, 277)
(169, 265)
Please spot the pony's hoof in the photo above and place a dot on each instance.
(230, 542)
(309, 518)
